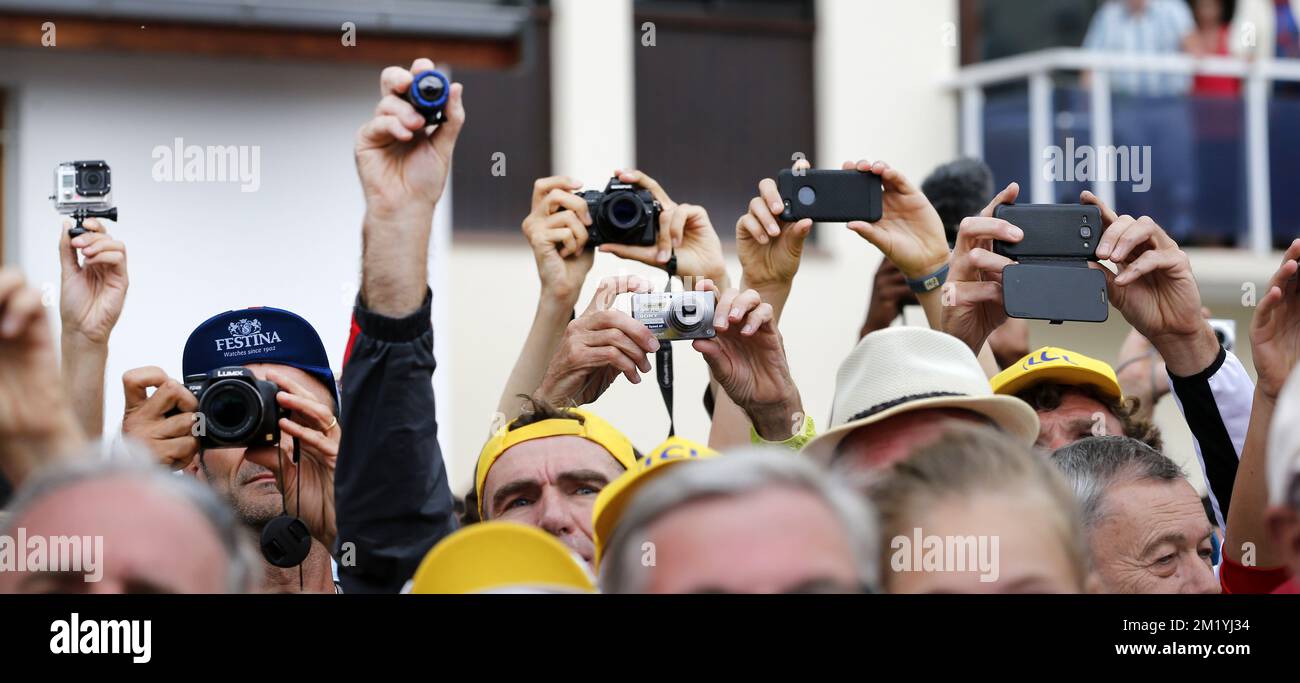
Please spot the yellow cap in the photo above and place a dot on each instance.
(591, 428)
(616, 495)
(1062, 366)
(498, 555)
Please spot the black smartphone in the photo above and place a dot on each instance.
(1055, 292)
(831, 196)
(1056, 231)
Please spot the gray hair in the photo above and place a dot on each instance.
(737, 473)
(131, 461)
(1094, 464)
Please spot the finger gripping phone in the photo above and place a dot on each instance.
(1051, 279)
(830, 196)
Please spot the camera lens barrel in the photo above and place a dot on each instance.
(232, 410)
(428, 94)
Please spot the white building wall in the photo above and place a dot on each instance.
(197, 249)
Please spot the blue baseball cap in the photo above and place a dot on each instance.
(258, 335)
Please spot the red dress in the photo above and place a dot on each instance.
(1218, 86)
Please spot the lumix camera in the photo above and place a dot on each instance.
(622, 214)
(238, 408)
(83, 189)
(676, 315)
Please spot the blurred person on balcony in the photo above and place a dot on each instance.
(1217, 113)
(1151, 108)
(1268, 29)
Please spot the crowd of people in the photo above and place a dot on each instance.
(955, 458)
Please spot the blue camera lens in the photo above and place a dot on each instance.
(429, 89)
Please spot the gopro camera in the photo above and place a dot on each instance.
(622, 214)
(676, 315)
(83, 189)
(428, 94)
(238, 408)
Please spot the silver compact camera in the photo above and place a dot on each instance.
(676, 315)
(83, 189)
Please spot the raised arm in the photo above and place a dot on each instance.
(36, 424)
(1275, 343)
(556, 229)
(91, 297)
(392, 498)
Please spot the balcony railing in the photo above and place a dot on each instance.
(1037, 69)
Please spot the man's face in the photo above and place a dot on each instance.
(551, 483)
(1153, 537)
(156, 544)
(1030, 555)
(247, 477)
(773, 540)
(1079, 416)
(891, 440)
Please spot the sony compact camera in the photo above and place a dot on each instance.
(622, 214)
(676, 315)
(83, 189)
(238, 409)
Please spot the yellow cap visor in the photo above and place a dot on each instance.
(1061, 366)
(616, 495)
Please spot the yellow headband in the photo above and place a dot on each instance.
(592, 428)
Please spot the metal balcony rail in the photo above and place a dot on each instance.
(1037, 69)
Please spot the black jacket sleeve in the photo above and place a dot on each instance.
(1216, 403)
(392, 500)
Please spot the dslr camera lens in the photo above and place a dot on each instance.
(238, 409)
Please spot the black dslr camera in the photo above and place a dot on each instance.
(622, 214)
(238, 409)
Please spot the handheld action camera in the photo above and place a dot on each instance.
(622, 214)
(676, 315)
(1051, 279)
(428, 94)
(239, 409)
(83, 189)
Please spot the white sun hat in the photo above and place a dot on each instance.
(900, 369)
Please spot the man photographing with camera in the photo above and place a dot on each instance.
(256, 421)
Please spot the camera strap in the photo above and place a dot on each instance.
(664, 356)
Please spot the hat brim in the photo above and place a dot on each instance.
(1010, 414)
(1071, 376)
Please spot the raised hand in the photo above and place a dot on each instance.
(597, 347)
(684, 231)
(556, 229)
(1275, 329)
(747, 359)
(972, 298)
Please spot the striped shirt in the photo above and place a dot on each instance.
(1159, 28)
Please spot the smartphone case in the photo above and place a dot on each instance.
(838, 196)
